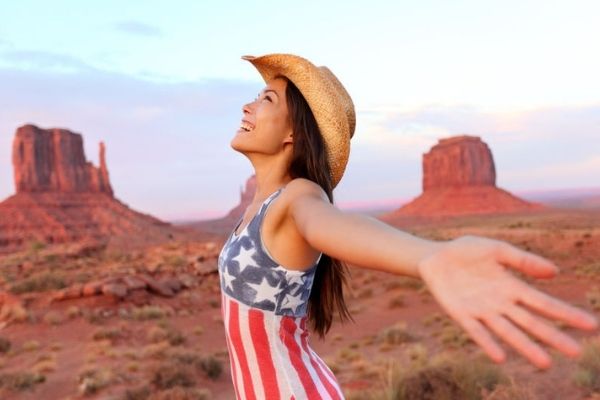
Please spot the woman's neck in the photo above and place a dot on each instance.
(270, 175)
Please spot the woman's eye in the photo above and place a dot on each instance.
(267, 97)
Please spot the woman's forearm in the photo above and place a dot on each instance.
(366, 241)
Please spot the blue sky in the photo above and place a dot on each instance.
(162, 84)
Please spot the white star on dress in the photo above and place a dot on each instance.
(228, 278)
(292, 302)
(296, 280)
(245, 259)
(264, 291)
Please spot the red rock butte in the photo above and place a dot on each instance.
(459, 178)
(62, 197)
(246, 196)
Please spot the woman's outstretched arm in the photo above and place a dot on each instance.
(468, 276)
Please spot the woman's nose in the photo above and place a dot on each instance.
(246, 108)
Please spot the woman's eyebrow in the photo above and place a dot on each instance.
(271, 90)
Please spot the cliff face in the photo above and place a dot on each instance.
(52, 160)
(458, 161)
(459, 178)
(61, 197)
(246, 196)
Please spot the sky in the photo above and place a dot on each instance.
(163, 85)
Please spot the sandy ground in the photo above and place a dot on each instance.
(65, 340)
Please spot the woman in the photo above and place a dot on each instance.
(285, 268)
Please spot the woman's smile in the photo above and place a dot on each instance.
(245, 126)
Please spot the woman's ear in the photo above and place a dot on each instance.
(289, 138)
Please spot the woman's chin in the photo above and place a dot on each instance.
(236, 145)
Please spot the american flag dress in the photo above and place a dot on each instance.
(263, 306)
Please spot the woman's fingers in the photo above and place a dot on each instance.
(524, 261)
(519, 340)
(542, 330)
(556, 308)
(483, 338)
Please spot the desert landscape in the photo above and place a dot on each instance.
(99, 301)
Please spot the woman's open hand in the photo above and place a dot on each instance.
(470, 280)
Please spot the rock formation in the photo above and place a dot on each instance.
(52, 160)
(246, 196)
(457, 162)
(61, 197)
(459, 178)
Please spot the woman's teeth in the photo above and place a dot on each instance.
(246, 127)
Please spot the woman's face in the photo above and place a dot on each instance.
(268, 121)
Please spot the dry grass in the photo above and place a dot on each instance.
(591, 270)
(149, 312)
(171, 373)
(92, 380)
(588, 372)
(512, 391)
(54, 317)
(19, 381)
(198, 330)
(404, 282)
(445, 376)
(396, 301)
(593, 298)
(454, 336)
(40, 282)
(107, 333)
(5, 345)
(395, 334)
(30, 345)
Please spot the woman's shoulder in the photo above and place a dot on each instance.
(301, 186)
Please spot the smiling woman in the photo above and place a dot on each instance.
(283, 266)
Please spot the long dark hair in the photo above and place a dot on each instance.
(309, 161)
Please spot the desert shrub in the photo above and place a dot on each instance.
(588, 270)
(44, 366)
(180, 393)
(53, 317)
(347, 354)
(593, 298)
(138, 393)
(73, 311)
(157, 350)
(404, 282)
(31, 345)
(169, 374)
(148, 312)
(174, 260)
(36, 245)
(365, 293)
(512, 391)
(432, 318)
(40, 282)
(93, 380)
(107, 333)
(20, 381)
(160, 333)
(588, 372)
(397, 301)
(4, 345)
(395, 334)
(211, 366)
(453, 336)
(444, 377)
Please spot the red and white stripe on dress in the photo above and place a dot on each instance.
(263, 306)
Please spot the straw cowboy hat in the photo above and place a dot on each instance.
(328, 100)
